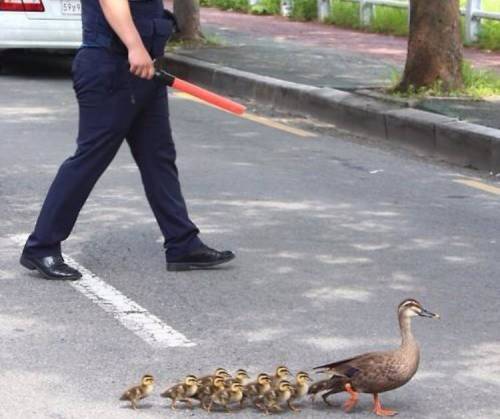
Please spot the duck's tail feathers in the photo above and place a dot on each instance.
(125, 396)
(166, 393)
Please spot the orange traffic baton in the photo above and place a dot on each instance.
(203, 94)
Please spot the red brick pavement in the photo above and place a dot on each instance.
(385, 47)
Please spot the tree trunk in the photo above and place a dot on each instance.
(188, 18)
(435, 49)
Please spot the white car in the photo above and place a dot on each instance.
(46, 24)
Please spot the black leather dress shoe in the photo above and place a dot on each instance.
(201, 258)
(50, 267)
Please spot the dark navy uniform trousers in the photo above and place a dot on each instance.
(115, 105)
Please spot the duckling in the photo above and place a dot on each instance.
(256, 388)
(139, 392)
(378, 372)
(226, 396)
(241, 376)
(300, 389)
(273, 398)
(183, 392)
(205, 392)
(208, 379)
(281, 373)
(206, 384)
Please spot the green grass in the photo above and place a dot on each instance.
(304, 10)
(489, 37)
(266, 7)
(345, 14)
(478, 84)
(386, 19)
(390, 20)
(237, 5)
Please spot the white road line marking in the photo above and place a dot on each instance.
(134, 317)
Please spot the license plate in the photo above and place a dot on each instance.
(71, 7)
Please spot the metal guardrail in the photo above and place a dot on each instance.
(473, 13)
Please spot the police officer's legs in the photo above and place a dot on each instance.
(105, 118)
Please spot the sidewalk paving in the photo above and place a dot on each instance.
(323, 55)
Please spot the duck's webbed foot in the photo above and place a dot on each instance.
(353, 401)
(379, 410)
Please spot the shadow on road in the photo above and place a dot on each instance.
(36, 64)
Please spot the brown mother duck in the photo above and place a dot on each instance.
(377, 372)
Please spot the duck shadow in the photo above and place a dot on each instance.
(322, 407)
(143, 406)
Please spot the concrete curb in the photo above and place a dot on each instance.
(424, 133)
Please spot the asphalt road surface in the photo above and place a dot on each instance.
(330, 236)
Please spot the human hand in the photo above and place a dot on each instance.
(141, 64)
